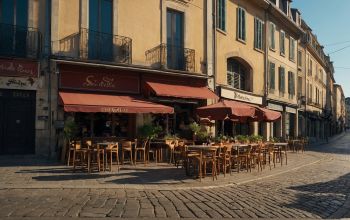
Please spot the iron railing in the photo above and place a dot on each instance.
(18, 41)
(171, 57)
(93, 45)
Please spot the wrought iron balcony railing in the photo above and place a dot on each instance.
(93, 45)
(18, 41)
(171, 57)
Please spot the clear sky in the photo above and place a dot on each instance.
(330, 21)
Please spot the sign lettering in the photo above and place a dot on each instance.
(114, 110)
(18, 68)
(240, 96)
(18, 83)
(104, 82)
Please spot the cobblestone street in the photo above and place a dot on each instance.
(318, 188)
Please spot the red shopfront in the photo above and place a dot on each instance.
(161, 95)
(104, 101)
(18, 85)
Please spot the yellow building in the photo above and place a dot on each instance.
(158, 51)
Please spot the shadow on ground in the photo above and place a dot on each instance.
(323, 198)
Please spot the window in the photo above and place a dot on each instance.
(241, 24)
(300, 87)
(14, 12)
(291, 84)
(100, 30)
(300, 58)
(292, 49)
(258, 34)
(272, 76)
(282, 42)
(175, 40)
(272, 36)
(310, 67)
(236, 74)
(221, 15)
(281, 80)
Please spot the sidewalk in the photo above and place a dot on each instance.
(36, 173)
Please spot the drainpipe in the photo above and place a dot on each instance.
(48, 48)
(214, 54)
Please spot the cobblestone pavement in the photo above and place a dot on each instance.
(319, 189)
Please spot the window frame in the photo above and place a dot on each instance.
(258, 34)
(272, 37)
(272, 86)
(241, 31)
(221, 15)
(292, 47)
(282, 78)
(282, 52)
(300, 59)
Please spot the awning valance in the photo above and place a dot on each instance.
(181, 91)
(268, 115)
(82, 102)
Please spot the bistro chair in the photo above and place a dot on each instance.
(209, 157)
(257, 156)
(110, 150)
(192, 161)
(244, 157)
(71, 149)
(225, 158)
(127, 148)
(95, 153)
(79, 156)
(171, 144)
(142, 148)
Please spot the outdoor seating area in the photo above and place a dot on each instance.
(208, 159)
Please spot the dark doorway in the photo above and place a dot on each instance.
(17, 122)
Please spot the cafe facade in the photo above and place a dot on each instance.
(114, 101)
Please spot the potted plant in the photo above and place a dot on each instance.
(195, 128)
(149, 131)
(70, 131)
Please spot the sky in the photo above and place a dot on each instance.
(330, 21)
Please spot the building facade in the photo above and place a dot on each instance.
(347, 106)
(66, 59)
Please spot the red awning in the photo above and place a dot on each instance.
(227, 109)
(268, 115)
(80, 102)
(181, 91)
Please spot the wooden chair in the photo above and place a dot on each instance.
(113, 149)
(257, 156)
(171, 144)
(127, 148)
(71, 150)
(244, 157)
(95, 153)
(79, 156)
(209, 157)
(225, 159)
(141, 147)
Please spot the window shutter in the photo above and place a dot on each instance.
(282, 80)
(243, 25)
(272, 75)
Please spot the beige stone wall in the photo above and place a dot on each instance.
(145, 22)
(316, 80)
(228, 45)
(283, 60)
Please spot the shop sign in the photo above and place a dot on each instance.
(114, 110)
(291, 110)
(100, 82)
(240, 96)
(18, 68)
(18, 83)
(275, 107)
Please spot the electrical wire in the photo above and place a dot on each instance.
(339, 50)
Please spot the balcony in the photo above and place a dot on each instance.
(88, 45)
(171, 57)
(17, 41)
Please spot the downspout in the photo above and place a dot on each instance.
(214, 54)
(266, 64)
(48, 55)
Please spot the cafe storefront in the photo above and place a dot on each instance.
(18, 87)
(115, 101)
(233, 128)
